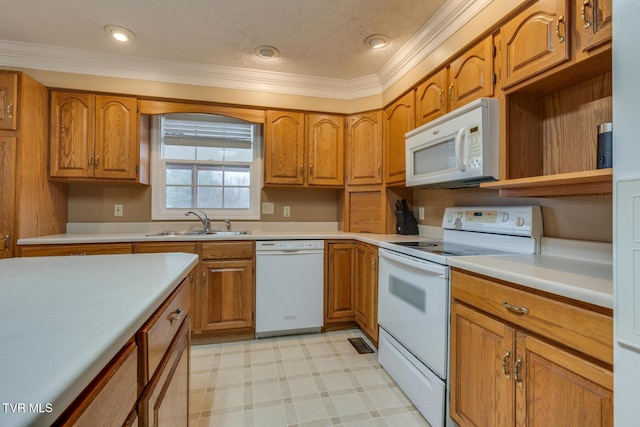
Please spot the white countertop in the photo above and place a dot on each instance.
(63, 318)
(587, 281)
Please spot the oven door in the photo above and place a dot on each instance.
(413, 306)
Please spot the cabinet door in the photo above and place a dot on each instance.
(481, 374)
(7, 195)
(284, 148)
(339, 288)
(325, 139)
(535, 40)
(431, 101)
(227, 297)
(72, 135)
(471, 74)
(165, 401)
(366, 272)
(116, 138)
(399, 119)
(8, 101)
(556, 388)
(364, 148)
(595, 22)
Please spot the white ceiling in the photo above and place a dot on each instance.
(192, 41)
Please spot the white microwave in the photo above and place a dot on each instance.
(459, 149)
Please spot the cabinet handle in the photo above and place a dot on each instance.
(301, 169)
(373, 265)
(310, 170)
(6, 242)
(506, 356)
(90, 161)
(176, 316)
(451, 92)
(587, 23)
(379, 169)
(10, 111)
(204, 280)
(516, 371)
(97, 161)
(560, 38)
(191, 280)
(442, 98)
(515, 309)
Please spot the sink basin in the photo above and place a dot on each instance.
(200, 233)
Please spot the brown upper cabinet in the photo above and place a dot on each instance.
(8, 101)
(469, 76)
(96, 138)
(535, 40)
(364, 148)
(304, 149)
(593, 24)
(399, 118)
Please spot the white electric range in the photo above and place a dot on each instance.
(413, 295)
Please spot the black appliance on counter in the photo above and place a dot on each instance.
(405, 221)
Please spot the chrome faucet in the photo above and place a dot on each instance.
(228, 224)
(206, 222)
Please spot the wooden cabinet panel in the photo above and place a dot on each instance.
(76, 249)
(72, 135)
(366, 280)
(116, 130)
(364, 148)
(431, 101)
(228, 250)
(109, 400)
(594, 22)
(535, 40)
(325, 142)
(399, 119)
(284, 148)
(7, 194)
(471, 74)
(479, 345)
(165, 401)
(366, 210)
(559, 388)
(8, 101)
(339, 284)
(525, 379)
(227, 295)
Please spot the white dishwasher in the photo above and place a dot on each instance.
(289, 287)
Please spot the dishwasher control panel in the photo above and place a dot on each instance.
(288, 245)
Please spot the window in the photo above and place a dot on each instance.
(206, 162)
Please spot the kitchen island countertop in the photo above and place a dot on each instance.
(62, 319)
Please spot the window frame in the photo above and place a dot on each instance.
(158, 183)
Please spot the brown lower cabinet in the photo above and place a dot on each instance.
(339, 289)
(518, 358)
(147, 382)
(366, 280)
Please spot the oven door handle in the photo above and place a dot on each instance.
(427, 266)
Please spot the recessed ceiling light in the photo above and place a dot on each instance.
(267, 52)
(376, 41)
(119, 33)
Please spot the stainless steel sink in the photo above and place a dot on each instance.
(200, 233)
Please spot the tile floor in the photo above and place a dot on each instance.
(304, 380)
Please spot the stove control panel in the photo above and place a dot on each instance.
(507, 220)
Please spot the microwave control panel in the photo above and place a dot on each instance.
(474, 156)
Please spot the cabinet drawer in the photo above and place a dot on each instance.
(154, 338)
(573, 326)
(62, 250)
(228, 250)
(111, 398)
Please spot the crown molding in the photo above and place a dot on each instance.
(447, 20)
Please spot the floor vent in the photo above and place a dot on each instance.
(360, 345)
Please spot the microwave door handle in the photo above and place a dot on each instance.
(460, 164)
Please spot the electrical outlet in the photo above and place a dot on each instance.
(267, 208)
(118, 210)
(287, 211)
(420, 213)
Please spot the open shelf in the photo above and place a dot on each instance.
(590, 182)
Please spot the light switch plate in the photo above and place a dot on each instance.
(267, 208)
(420, 213)
(118, 210)
(287, 211)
